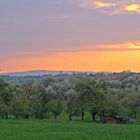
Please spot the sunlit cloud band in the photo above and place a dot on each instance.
(113, 7)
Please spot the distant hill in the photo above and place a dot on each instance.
(57, 72)
(39, 73)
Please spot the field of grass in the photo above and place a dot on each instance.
(64, 130)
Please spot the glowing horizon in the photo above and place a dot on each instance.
(104, 58)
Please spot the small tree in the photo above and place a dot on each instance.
(20, 106)
(132, 103)
(71, 103)
(5, 98)
(56, 106)
(86, 90)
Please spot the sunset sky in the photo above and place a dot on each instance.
(83, 35)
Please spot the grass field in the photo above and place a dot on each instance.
(64, 130)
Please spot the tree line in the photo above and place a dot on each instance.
(99, 95)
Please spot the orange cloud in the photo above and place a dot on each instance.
(100, 4)
(128, 46)
(96, 4)
(133, 8)
(113, 7)
(58, 18)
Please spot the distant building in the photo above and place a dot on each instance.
(117, 120)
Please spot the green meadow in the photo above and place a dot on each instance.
(13, 129)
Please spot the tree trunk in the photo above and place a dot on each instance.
(55, 117)
(26, 116)
(93, 116)
(6, 115)
(70, 114)
(70, 117)
(135, 115)
(101, 119)
(41, 116)
(36, 116)
(82, 114)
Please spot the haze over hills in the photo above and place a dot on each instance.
(40, 73)
(51, 72)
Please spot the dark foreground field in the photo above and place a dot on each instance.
(65, 130)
